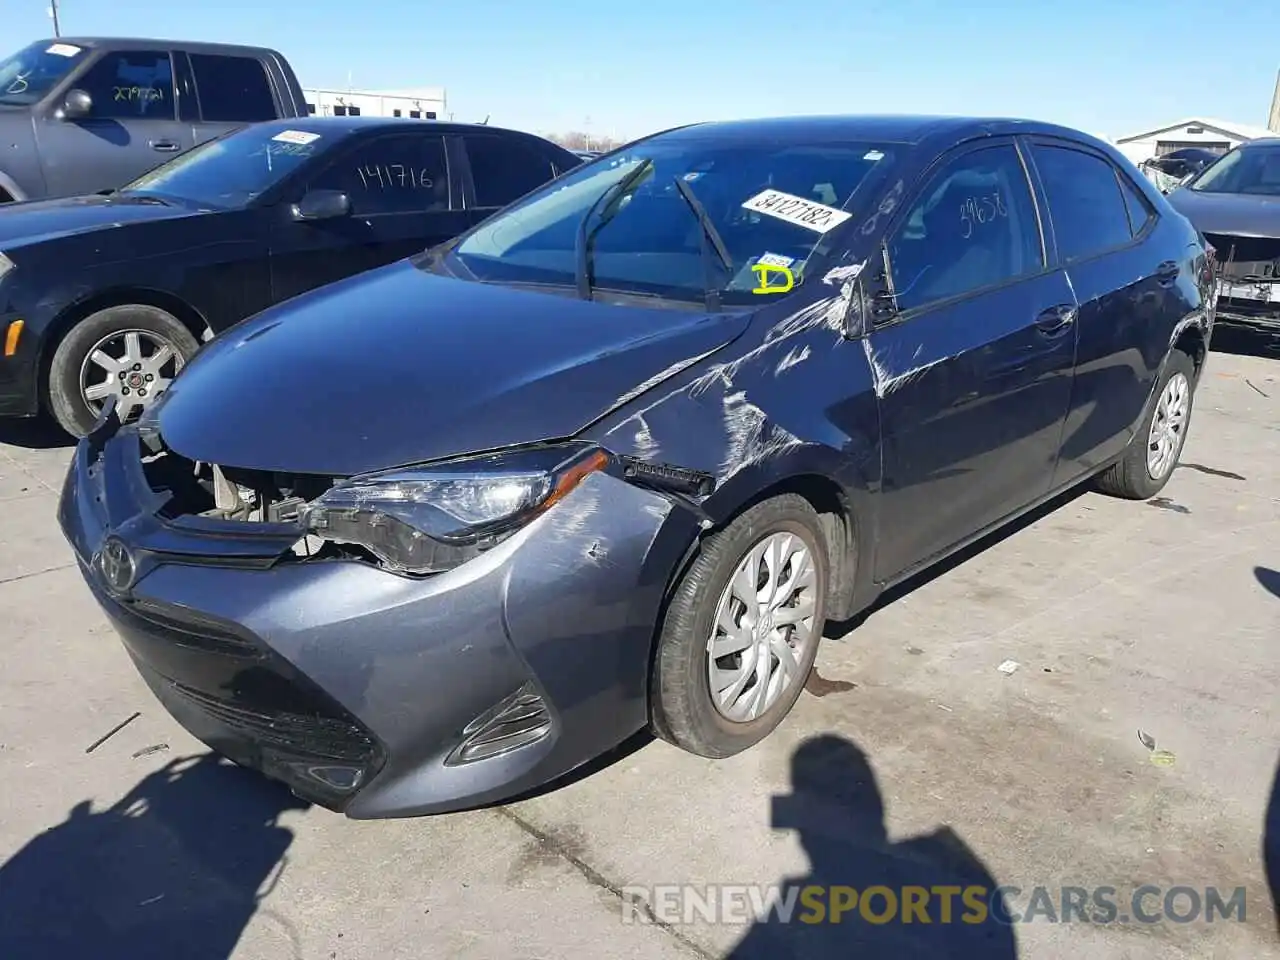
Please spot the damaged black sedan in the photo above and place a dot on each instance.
(440, 533)
(1235, 203)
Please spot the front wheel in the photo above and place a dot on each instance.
(1154, 451)
(741, 631)
(131, 352)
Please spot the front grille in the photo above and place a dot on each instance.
(302, 735)
(187, 628)
(1255, 258)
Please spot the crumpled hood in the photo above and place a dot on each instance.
(398, 366)
(39, 220)
(1236, 214)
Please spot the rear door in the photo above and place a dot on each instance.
(501, 168)
(230, 90)
(973, 371)
(132, 128)
(1100, 222)
(402, 201)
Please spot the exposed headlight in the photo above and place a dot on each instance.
(429, 519)
(6, 265)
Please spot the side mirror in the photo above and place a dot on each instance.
(77, 105)
(322, 205)
(883, 301)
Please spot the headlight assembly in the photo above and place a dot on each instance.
(429, 519)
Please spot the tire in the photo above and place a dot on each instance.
(1131, 477)
(682, 708)
(67, 401)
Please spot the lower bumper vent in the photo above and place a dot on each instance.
(517, 721)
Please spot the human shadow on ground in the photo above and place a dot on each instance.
(177, 868)
(837, 808)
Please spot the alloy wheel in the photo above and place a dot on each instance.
(134, 366)
(764, 625)
(1168, 426)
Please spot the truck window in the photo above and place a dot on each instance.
(131, 85)
(505, 169)
(232, 89)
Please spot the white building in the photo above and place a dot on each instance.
(1204, 132)
(426, 103)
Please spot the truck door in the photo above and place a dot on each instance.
(132, 125)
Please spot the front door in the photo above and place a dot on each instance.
(132, 128)
(974, 370)
(401, 203)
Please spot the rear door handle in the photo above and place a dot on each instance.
(164, 146)
(1057, 319)
(1167, 272)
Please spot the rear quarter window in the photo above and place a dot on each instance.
(232, 89)
(1086, 206)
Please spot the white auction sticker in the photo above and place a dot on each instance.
(813, 216)
(300, 137)
(63, 50)
(775, 260)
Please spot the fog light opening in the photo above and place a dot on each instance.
(517, 721)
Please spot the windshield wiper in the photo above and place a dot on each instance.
(610, 202)
(710, 239)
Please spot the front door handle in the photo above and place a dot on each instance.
(164, 146)
(1167, 272)
(1056, 320)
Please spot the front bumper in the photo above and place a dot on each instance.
(353, 685)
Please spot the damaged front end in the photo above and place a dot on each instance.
(1249, 279)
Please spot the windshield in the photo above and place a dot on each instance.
(234, 169)
(1253, 170)
(32, 72)
(768, 204)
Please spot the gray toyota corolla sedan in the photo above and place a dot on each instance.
(437, 534)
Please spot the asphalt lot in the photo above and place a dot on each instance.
(1162, 617)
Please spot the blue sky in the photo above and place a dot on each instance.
(1106, 66)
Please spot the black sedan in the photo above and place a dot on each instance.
(109, 295)
(638, 438)
(1235, 203)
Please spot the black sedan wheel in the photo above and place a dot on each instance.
(741, 632)
(128, 352)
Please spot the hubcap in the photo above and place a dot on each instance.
(1168, 426)
(764, 627)
(134, 366)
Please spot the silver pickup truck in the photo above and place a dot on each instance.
(79, 115)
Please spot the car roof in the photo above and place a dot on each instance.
(150, 43)
(345, 126)
(882, 128)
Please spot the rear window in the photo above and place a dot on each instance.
(232, 89)
(1085, 203)
(504, 170)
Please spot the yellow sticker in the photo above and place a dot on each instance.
(762, 271)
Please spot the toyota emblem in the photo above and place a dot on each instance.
(116, 564)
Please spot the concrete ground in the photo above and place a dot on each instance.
(1160, 617)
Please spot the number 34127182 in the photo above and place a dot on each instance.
(981, 210)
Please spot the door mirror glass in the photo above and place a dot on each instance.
(77, 105)
(322, 205)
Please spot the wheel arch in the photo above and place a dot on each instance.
(66, 321)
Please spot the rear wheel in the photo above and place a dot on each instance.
(1154, 451)
(741, 632)
(131, 352)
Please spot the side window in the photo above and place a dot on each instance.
(131, 85)
(505, 169)
(232, 89)
(973, 226)
(1139, 208)
(401, 173)
(1085, 203)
